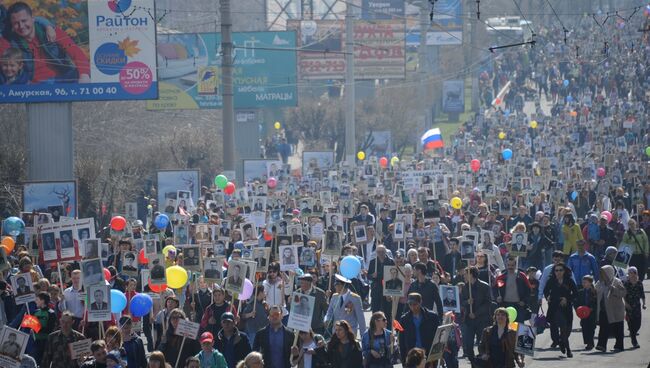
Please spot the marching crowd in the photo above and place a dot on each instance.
(548, 223)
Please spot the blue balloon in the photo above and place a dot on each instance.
(140, 305)
(507, 154)
(14, 226)
(161, 221)
(565, 83)
(350, 267)
(574, 195)
(506, 112)
(569, 98)
(118, 301)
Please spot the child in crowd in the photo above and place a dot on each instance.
(587, 297)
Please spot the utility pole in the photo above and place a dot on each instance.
(425, 103)
(350, 124)
(228, 110)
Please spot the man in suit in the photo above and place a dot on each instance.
(346, 305)
(320, 304)
(518, 245)
(274, 341)
(22, 288)
(213, 272)
(450, 298)
(98, 304)
(334, 224)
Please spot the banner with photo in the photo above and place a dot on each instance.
(87, 50)
(190, 70)
(58, 198)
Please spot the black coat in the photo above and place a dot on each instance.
(430, 295)
(553, 291)
(241, 344)
(262, 345)
(428, 327)
(481, 298)
(172, 349)
(353, 359)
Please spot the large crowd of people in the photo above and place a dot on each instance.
(521, 224)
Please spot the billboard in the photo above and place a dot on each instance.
(58, 198)
(189, 65)
(382, 9)
(78, 51)
(448, 24)
(453, 96)
(379, 51)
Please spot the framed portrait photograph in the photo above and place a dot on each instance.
(333, 243)
(288, 257)
(449, 294)
(130, 264)
(220, 247)
(334, 221)
(157, 270)
(308, 257)
(360, 235)
(213, 269)
(90, 248)
(192, 258)
(12, 346)
(236, 276)
(302, 309)
(518, 244)
(99, 299)
(181, 234)
(467, 249)
(92, 272)
(262, 256)
(393, 281)
(23, 288)
(249, 232)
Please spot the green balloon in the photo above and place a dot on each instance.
(221, 181)
(647, 150)
(512, 314)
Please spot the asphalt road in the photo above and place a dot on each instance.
(547, 357)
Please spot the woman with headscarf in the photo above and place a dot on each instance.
(560, 291)
(610, 308)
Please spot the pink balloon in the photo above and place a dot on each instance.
(247, 291)
(608, 215)
(600, 172)
(271, 182)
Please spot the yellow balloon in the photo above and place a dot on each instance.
(361, 155)
(394, 161)
(502, 135)
(277, 125)
(176, 277)
(513, 325)
(456, 203)
(533, 124)
(166, 250)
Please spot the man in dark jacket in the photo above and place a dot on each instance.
(274, 341)
(426, 288)
(320, 304)
(476, 310)
(234, 345)
(420, 325)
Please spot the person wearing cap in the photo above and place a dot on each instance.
(582, 263)
(345, 305)
(274, 341)
(113, 359)
(132, 344)
(209, 357)
(232, 343)
(320, 305)
(419, 325)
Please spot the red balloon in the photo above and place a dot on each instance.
(583, 312)
(142, 258)
(118, 223)
(601, 172)
(267, 236)
(230, 188)
(272, 182)
(497, 101)
(475, 165)
(157, 288)
(107, 274)
(383, 162)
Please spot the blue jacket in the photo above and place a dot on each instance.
(583, 265)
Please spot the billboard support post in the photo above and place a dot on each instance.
(350, 123)
(50, 142)
(422, 68)
(228, 111)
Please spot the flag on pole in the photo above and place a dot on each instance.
(432, 139)
(30, 321)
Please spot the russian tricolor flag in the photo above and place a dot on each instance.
(432, 139)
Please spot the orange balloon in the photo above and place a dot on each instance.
(8, 244)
